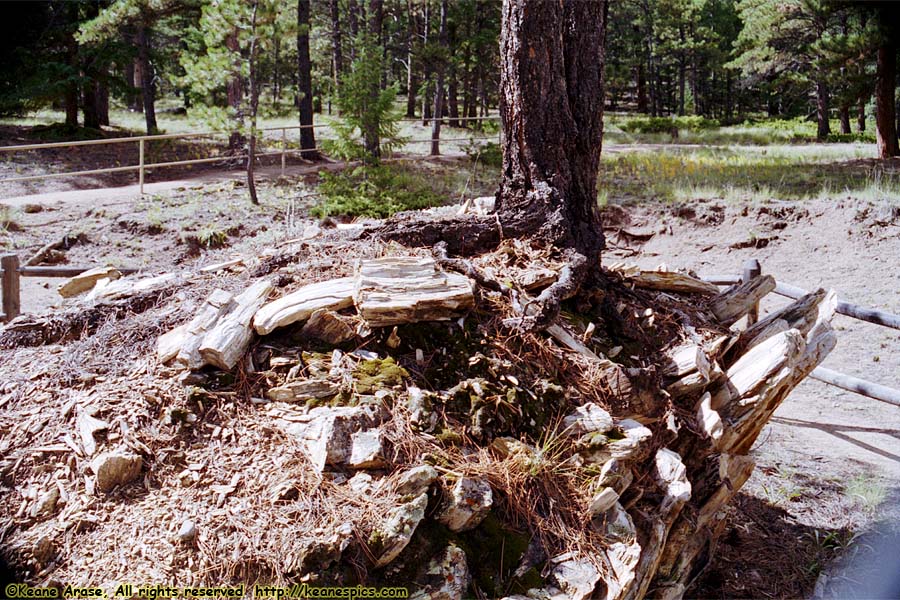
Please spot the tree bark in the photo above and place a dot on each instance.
(845, 119)
(353, 22)
(453, 99)
(439, 85)
(370, 133)
(551, 104)
(411, 83)
(89, 103)
(235, 95)
(861, 115)
(643, 105)
(823, 129)
(337, 57)
(254, 104)
(885, 82)
(136, 101)
(148, 93)
(304, 81)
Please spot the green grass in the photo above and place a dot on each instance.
(746, 174)
(631, 129)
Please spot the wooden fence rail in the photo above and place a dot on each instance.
(142, 140)
(869, 389)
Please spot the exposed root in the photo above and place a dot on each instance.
(540, 313)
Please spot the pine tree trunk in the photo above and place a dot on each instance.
(147, 90)
(411, 83)
(304, 81)
(254, 105)
(885, 82)
(845, 119)
(823, 129)
(643, 105)
(439, 86)
(103, 101)
(71, 92)
(370, 133)
(551, 104)
(861, 115)
(132, 100)
(337, 57)
(234, 90)
(452, 99)
(353, 22)
(89, 104)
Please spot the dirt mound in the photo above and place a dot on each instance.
(387, 425)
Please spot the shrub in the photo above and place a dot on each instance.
(373, 191)
(667, 124)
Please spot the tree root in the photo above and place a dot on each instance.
(541, 312)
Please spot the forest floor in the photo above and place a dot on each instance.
(828, 463)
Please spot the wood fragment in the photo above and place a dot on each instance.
(228, 341)
(670, 281)
(396, 290)
(302, 391)
(187, 338)
(734, 303)
(85, 281)
(335, 294)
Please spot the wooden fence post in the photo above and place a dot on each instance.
(141, 161)
(752, 269)
(11, 301)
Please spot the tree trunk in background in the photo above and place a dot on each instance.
(234, 90)
(845, 119)
(71, 92)
(861, 115)
(822, 126)
(148, 93)
(132, 99)
(254, 105)
(551, 104)
(353, 22)
(642, 103)
(103, 102)
(411, 83)
(452, 99)
(337, 57)
(885, 82)
(137, 82)
(370, 132)
(426, 67)
(304, 81)
(439, 85)
(89, 104)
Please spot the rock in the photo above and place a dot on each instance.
(446, 577)
(577, 577)
(603, 501)
(587, 419)
(507, 446)
(329, 327)
(303, 391)
(321, 552)
(366, 450)
(470, 502)
(389, 541)
(85, 281)
(87, 427)
(115, 468)
(46, 503)
(43, 550)
(327, 432)
(188, 531)
(417, 480)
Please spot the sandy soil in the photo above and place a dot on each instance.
(829, 461)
